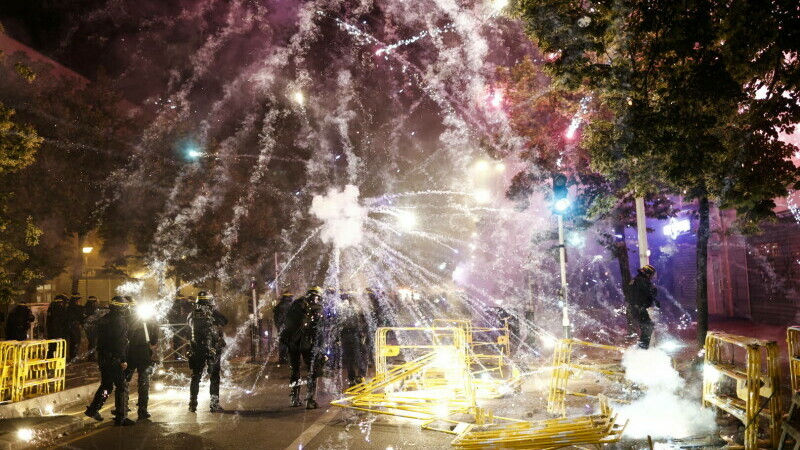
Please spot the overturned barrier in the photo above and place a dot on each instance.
(426, 374)
(596, 429)
(489, 358)
(600, 359)
(32, 368)
(741, 376)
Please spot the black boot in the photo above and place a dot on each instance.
(295, 394)
(193, 404)
(215, 404)
(93, 414)
(124, 422)
(312, 391)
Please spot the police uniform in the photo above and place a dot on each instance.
(19, 322)
(279, 313)
(354, 330)
(56, 321)
(206, 347)
(112, 357)
(642, 295)
(140, 359)
(302, 336)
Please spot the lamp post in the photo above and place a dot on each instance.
(86, 251)
(560, 206)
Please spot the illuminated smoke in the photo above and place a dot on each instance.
(342, 214)
(661, 412)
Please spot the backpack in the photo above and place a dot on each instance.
(205, 331)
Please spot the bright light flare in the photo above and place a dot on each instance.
(48, 410)
(561, 204)
(481, 166)
(25, 434)
(500, 167)
(549, 341)
(496, 98)
(159, 386)
(407, 220)
(497, 5)
(482, 196)
(194, 154)
(299, 98)
(87, 250)
(146, 311)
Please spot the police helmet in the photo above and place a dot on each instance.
(648, 270)
(286, 293)
(316, 290)
(204, 298)
(60, 298)
(119, 303)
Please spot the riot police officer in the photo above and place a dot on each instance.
(75, 318)
(642, 296)
(142, 337)
(112, 357)
(279, 316)
(19, 322)
(302, 334)
(354, 329)
(56, 321)
(206, 347)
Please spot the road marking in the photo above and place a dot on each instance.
(99, 426)
(312, 431)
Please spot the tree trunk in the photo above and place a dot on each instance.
(77, 264)
(621, 253)
(703, 233)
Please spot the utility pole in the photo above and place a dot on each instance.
(561, 204)
(254, 333)
(641, 228)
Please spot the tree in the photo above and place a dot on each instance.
(85, 131)
(543, 113)
(695, 96)
(18, 145)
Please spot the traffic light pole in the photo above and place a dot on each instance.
(562, 251)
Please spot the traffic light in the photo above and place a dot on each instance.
(560, 193)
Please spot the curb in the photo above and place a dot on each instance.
(48, 404)
(47, 429)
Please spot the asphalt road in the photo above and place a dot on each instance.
(260, 419)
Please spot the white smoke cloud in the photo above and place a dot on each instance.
(342, 214)
(661, 412)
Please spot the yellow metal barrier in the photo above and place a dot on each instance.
(8, 359)
(31, 368)
(606, 361)
(738, 387)
(793, 338)
(595, 429)
(426, 374)
(494, 374)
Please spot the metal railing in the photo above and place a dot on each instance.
(31, 368)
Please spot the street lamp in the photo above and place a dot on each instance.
(86, 251)
(560, 205)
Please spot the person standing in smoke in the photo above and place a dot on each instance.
(19, 322)
(206, 347)
(302, 334)
(642, 296)
(75, 318)
(112, 357)
(279, 313)
(56, 321)
(142, 338)
(90, 326)
(354, 330)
